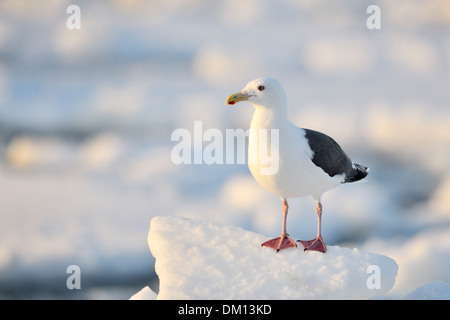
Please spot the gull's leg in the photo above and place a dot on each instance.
(316, 244)
(283, 241)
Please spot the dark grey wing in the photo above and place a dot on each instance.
(328, 155)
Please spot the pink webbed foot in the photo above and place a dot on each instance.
(316, 244)
(280, 243)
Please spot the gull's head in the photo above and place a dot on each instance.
(265, 92)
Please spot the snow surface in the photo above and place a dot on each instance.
(196, 259)
(435, 290)
(145, 294)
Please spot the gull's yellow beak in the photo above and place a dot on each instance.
(236, 97)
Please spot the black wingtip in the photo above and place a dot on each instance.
(358, 172)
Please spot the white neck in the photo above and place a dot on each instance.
(269, 118)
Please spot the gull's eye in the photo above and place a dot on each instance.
(261, 88)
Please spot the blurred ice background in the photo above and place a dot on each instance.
(86, 117)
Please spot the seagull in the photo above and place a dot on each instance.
(309, 162)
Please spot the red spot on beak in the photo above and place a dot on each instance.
(231, 102)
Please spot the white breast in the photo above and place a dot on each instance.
(279, 158)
